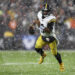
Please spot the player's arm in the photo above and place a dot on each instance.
(36, 22)
(33, 26)
(50, 25)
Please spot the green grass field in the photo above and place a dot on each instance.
(26, 63)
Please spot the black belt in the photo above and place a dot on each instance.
(48, 39)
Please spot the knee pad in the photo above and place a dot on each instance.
(38, 49)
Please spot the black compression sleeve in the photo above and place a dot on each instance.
(50, 25)
(58, 57)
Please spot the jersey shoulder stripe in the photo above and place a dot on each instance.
(52, 20)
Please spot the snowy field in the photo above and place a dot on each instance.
(26, 63)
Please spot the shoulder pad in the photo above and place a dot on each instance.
(52, 18)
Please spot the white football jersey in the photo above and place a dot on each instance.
(44, 22)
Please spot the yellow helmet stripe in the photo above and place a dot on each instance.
(46, 6)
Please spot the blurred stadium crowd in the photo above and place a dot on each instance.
(17, 15)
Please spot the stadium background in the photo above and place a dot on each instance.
(16, 57)
(17, 15)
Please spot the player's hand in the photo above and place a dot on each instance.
(31, 30)
(47, 30)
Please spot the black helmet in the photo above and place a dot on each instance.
(46, 7)
(46, 10)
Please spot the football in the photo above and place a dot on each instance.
(31, 30)
(47, 30)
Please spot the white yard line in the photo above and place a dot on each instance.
(24, 63)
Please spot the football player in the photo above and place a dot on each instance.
(46, 24)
